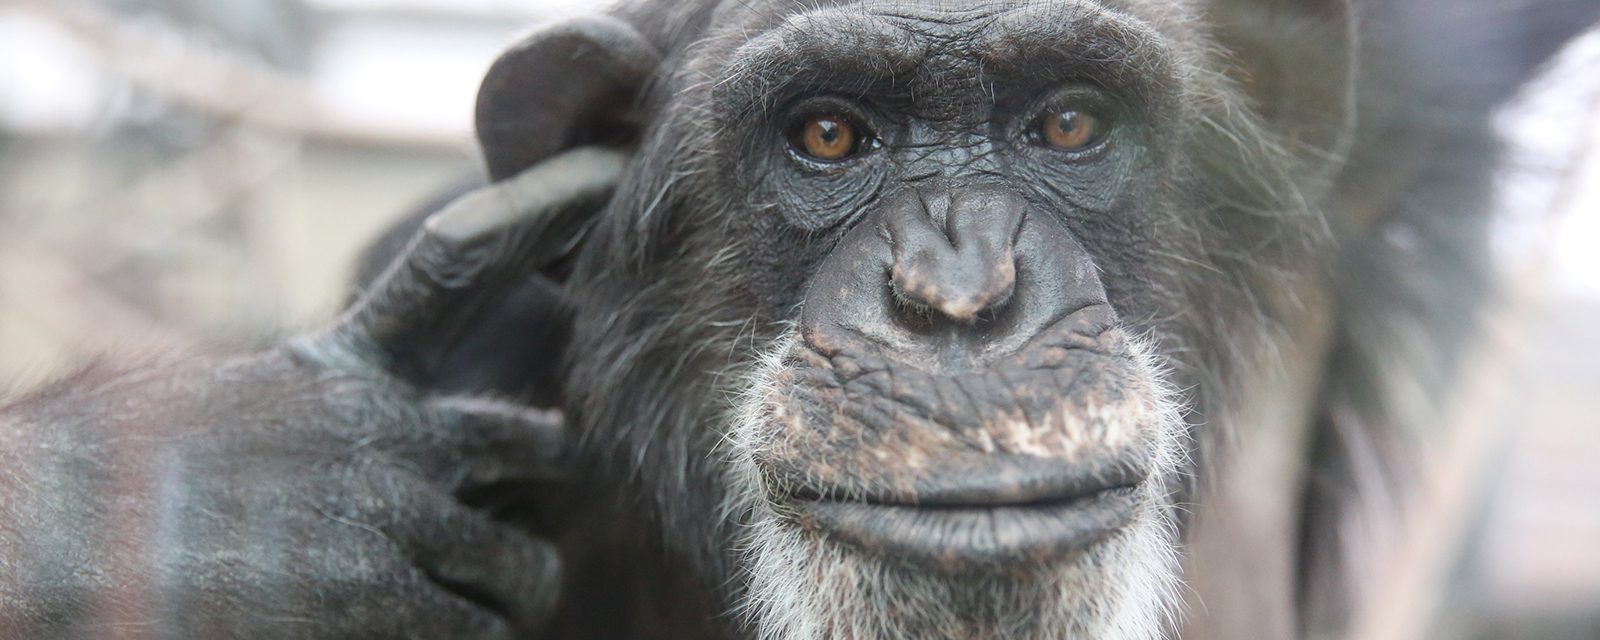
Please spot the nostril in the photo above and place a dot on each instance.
(910, 311)
(913, 293)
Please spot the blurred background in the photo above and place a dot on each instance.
(183, 171)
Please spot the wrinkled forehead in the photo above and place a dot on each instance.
(995, 34)
(937, 44)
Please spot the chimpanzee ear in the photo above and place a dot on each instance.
(569, 84)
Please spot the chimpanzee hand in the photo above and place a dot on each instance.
(313, 490)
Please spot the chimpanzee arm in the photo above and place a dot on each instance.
(310, 490)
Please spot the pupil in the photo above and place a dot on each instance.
(1067, 122)
(830, 131)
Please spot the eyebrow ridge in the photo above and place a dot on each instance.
(843, 51)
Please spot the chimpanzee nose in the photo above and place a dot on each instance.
(948, 278)
(953, 251)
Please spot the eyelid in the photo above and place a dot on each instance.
(813, 106)
(1074, 96)
(828, 99)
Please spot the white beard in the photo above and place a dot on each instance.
(802, 586)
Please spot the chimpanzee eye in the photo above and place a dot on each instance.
(1069, 129)
(828, 138)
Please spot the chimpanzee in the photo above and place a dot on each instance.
(874, 320)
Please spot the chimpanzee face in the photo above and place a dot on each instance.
(960, 413)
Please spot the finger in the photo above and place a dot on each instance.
(493, 442)
(471, 253)
(383, 596)
(494, 566)
(435, 614)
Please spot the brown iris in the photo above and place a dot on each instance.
(1069, 129)
(826, 137)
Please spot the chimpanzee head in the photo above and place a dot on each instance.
(911, 316)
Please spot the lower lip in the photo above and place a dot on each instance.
(956, 538)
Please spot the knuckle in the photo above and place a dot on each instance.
(454, 262)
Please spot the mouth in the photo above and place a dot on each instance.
(1011, 513)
